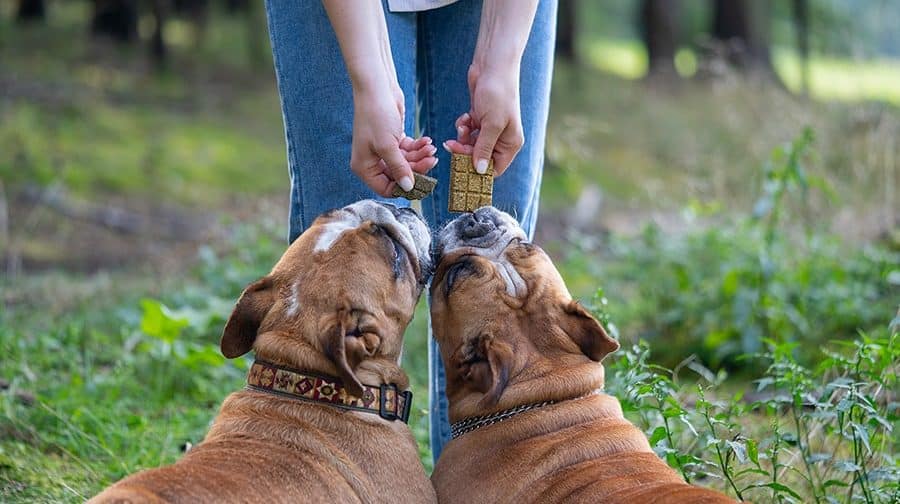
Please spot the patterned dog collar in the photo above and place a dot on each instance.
(386, 401)
(469, 424)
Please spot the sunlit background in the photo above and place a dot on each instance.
(722, 181)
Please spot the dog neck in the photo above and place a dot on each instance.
(290, 351)
(533, 380)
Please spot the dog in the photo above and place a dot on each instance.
(323, 416)
(523, 373)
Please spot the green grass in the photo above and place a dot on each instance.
(830, 78)
(140, 152)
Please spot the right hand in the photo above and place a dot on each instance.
(492, 129)
(381, 154)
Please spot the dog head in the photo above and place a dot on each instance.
(339, 299)
(502, 315)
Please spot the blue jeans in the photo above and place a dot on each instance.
(432, 51)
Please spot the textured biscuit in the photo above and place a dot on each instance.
(422, 186)
(469, 190)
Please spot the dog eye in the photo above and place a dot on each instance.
(399, 258)
(457, 272)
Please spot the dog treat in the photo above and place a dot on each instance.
(422, 186)
(469, 190)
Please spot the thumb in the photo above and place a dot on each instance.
(398, 168)
(484, 146)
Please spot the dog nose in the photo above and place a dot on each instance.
(476, 225)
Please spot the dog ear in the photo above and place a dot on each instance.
(483, 363)
(248, 314)
(346, 348)
(587, 332)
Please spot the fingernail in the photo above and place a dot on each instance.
(447, 148)
(459, 131)
(434, 163)
(481, 166)
(432, 150)
(405, 183)
(428, 140)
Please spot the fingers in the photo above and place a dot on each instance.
(455, 147)
(410, 144)
(424, 166)
(463, 120)
(465, 129)
(398, 168)
(375, 176)
(484, 146)
(420, 154)
(502, 160)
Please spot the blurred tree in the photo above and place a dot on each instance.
(116, 19)
(31, 10)
(740, 31)
(801, 27)
(234, 6)
(257, 35)
(158, 52)
(566, 30)
(659, 22)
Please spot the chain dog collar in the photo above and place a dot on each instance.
(469, 424)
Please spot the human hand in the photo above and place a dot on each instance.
(492, 129)
(381, 154)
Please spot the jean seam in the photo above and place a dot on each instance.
(429, 99)
(296, 185)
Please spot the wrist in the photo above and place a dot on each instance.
(371, 82)
(502, 35)
(500, 76)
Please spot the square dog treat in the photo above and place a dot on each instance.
(422, 186)
(468, 189)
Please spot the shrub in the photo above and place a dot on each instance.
(721, 292)
(824, 434)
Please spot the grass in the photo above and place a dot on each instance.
(114, 370)
(830, 78)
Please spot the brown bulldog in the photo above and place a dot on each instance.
(523, 380)
(323, 416)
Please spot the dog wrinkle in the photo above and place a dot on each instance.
(515, 284)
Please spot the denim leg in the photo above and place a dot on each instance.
(447, 39)
(317, 104)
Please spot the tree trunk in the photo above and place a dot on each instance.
(31, 10)
(257, 38)
(116, 19)
(567, 31)
(740, 29)
(158, 51)
(801, 28)
(235, 6)
(659, 21)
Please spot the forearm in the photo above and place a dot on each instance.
(502, 35)
(362, 34)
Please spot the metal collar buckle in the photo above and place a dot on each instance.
(397, 414)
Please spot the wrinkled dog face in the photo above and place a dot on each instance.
(498, 301)
(341, 294)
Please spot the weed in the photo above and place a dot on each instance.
(815, 435)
